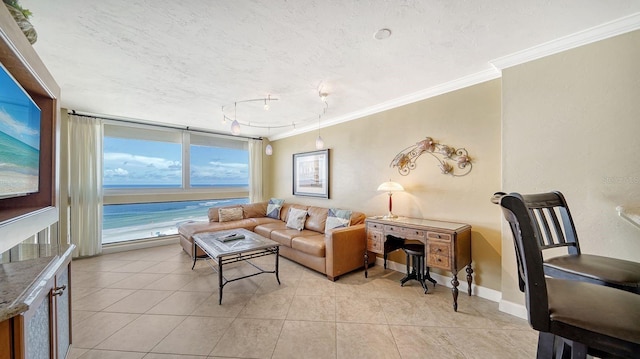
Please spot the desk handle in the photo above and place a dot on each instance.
(58, 290)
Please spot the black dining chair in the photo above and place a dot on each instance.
(554, 228)
(573, 318)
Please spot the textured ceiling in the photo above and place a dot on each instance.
(180, 62)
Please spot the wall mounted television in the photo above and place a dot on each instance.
(19, 139)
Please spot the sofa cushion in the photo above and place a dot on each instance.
(296, 218)
(190, 228)
(337, 218)
(357, 218)
(213, 212)
(266, 228)
(317, 218)
(273, 207)
(255, 210)
(284, 211)
(187, 230)
(230, 214)
(284, 236)
(313, 245)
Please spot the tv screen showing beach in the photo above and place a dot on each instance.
(19, 139)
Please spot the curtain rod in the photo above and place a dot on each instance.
(140, 122)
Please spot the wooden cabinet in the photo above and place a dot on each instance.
(447, 244)
(43, 331)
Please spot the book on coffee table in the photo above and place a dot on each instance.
(230, 237)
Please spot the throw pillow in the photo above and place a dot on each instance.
(296, 218)
(273, 208)
(229, 214)
(337, 218)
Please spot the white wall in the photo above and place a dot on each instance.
(571, 122)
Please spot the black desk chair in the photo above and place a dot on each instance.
(415, 259)
(554, 228)
(583, 317)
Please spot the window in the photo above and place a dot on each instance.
(156, 178)
(218, 163)
(131, 163)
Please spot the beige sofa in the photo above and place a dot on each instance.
(335, 253)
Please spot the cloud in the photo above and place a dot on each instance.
(133, 161)
(118, 172)
(220, 170)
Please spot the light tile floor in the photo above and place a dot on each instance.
(149, 304)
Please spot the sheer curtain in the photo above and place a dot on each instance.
(85, 184)
(255, 171)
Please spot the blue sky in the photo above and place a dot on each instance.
(19, 117)
(141, 162)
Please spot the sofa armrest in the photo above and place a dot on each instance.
(345, 250)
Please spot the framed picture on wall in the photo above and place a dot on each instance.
(311, 174)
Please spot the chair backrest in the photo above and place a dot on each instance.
(552, 221)
(529, 259)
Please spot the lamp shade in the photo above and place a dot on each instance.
(390, 187)
(235, 127)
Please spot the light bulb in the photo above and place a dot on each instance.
(266, 106)
(235, 127)
(319, 143)
(268, 150)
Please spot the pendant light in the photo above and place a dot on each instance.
(235, 125)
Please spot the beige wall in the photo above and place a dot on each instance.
(571, 122)
(362, 150)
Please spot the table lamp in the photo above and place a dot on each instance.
(390, 187)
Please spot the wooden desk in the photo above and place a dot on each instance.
(447, 244)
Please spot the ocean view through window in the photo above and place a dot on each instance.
(126, 222)
(154, 179)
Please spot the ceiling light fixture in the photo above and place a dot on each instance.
(235, 125)
(267, 105)
(319, 140)
(382, 34)
(323, 98)
(266, 101)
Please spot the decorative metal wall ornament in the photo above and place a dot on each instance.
(452, 161)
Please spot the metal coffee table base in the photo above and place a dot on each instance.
(240, 257)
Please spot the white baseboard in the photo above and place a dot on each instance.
(514, 309)
(139, 244)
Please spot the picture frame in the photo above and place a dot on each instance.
(311, 174)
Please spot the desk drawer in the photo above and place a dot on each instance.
(439, 254)
(404, 232)
(375, 241)
(439, 236)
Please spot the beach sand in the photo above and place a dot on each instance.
(149, 230)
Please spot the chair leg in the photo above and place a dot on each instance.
(553, 346)
(546, 345)
(578, 351)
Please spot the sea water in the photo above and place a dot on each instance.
(124, 222)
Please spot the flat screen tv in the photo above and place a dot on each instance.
(19, 139)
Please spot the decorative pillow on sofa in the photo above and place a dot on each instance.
(273, 207)
(296, 218)
(229, 214)
(337, 218)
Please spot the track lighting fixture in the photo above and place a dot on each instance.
(266, 101)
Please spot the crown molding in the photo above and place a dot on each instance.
(609, 29)
(450, 86)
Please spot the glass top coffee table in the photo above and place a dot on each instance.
(223, 250)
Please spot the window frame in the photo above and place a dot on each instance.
(114, 196)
